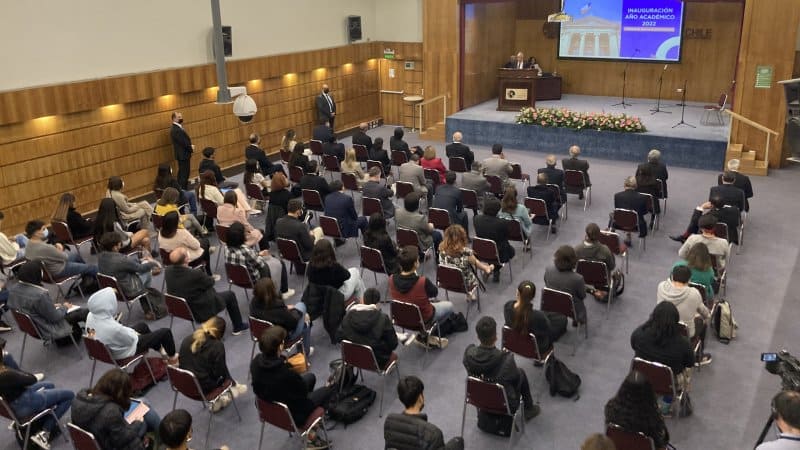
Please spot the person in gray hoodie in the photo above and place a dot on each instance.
(122, 341)
(689, 302)
(491, 364)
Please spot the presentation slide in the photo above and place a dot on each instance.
(642, 30)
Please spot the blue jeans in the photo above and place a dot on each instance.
(441, 310)
(151, 420)
(191, 198)
(22, 241)
(8, 361)
(33, 401)
(76, 266)
(302, 328)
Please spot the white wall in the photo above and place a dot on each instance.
(51, 42)
(397, 20)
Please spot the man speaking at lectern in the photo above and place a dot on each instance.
(518, 63)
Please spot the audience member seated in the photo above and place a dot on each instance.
(325, 271)
(259, 264)
(729, 215)
(366, 324)
(698, 260)
(133, 277)
(574, 163)
(687, 300)
(487, 362)
(313, 181)
(175, 431)
(497, 165)
(449, 198)
(598, 441)
(786, 411)
(593, 250)
(635, 409)
(511, 209)
(489, 226)
(122, 341)
(127, 210)
(717, 246)
(631, 200)
(658, 168)
(412, 172)
(409, 217)
(203, 354)
(9, 250)
(254, 151)
(169, 203)
(229, 213)
(551, 201)
(27, 396)
(275, 381)
(730, 194)
(252, 175)
(279, 194)
(646, 183)
(378, 238)
(101, 410)
(197, 289)
(373, 188)
(208, 163)
(409, 287)
(56, 259)
(378, 153)
(341, 206)
(396, 142)
(333, 148)
(660, 340)
(65, 212)
(55, 321)
(291, 227)
(208, 190)
(267, 305)
(107, 220)
(430, 161)
(322, 131)
(164, 180)
(453, 251)
(172, 237)
(475, 181)
(351, 165)
(410, 430)
(554, 176)
(458, 150)
(299, 158)
(520, 316)
(561, 276)
(361, 137)
(740, 180)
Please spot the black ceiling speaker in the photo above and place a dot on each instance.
(354, 28)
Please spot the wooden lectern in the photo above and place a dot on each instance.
(516, 88)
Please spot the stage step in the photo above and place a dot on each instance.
(748, 162)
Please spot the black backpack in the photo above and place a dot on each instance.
(339, 371)
(562, 381)
(351, 404)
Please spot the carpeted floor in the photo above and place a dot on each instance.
(731, 396)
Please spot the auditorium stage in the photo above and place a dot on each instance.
(699, 148)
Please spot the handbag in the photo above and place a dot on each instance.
(298, 362)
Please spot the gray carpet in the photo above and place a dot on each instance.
(731, 396)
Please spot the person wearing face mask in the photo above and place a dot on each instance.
(175, 430)
(182, 144)
(326, 106)
(786, 412)
(56, 259)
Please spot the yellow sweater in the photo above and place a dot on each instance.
(162, 211)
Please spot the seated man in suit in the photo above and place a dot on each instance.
(634, 201)
(208, 163)
(489, 226)
(409, 217)
(333, 148)
(726, 214)
(540, 190)
(716, 245)
(448, 197)
(741, 181)
(459, 150)
(554, 176)
(340, 206)
(291, 227)
(373, 188)
(658, 168)
(361, 137)
(254, 151)
(312, 180)
(730, 194)
(475, 181)
(412, 172)
(497, 165)
(378, 153)
(573, 163)
(322, 131)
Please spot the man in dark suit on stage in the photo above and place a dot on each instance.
(182, 144)
(254, 151)
(658, 168)
(489, 226)
(730, 194)
(630, 199)
(554, 176)
(361, 137)
(573, 163)
(741, 181)
(448, 197)
(326, 106)
(459, 150)
(341, 206)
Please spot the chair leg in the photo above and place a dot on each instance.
(463, 416)
(383, 388)
(91, 377)
(22, 351)
(150, 370)
(75, 343)
(208, 430)
(252, 352)
(235, 407)
(174, 400)
(261, 436)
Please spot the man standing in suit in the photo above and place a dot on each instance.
(340, 206)
(254, 151)
(658, 168)
(489, 226)
(322, 131)
(326, 106)
(459, 150)
(448, 197)
(361, 137)
(333, 148)
(741, 181)
(554, 176)
(730, 194)
(412, 172)
(475, 181)
(182, 144)
(573, 163)
(291, 227)
(497, 165)
(630, 199)
(540, 191)
(373, 188)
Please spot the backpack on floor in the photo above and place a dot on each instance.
(140, 378)
(339, 371)
(722, 322)
(498, 424)
(351, 404)
(562, 381)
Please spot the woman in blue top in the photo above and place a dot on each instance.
(511, 209)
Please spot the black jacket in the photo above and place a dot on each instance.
(555, 176)
(208, 364)
(381, 155)
(385, 245)
(659, 170)
(196, 288)
(742, 182)
(334, 149)
(494, 229)
(299, 160)
(324, 109)
(540, 191)
(210, 164)
(342, 207)
(367, 325)
(632, 200)
(400, 145)
(538, 324)
(730, 194)
(274, 380)
(448, 197)
(414, 432)
(322, 133)
(78, 226)
(326, 302)
(181, 143)
(495, 366)
(362, 138)
(675, 351)
(253, 151)
(278, 314)
(333, 276)
(105, 419)
(315, 182)
(577, 164)
(287, 227)
(459, 150)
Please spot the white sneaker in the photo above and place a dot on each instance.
(254, 212)
(310, 351)
(438, 342)
(42, 439)
(238, 389)
(216, 277)
(223, 402)
(39, 376)
(288, 294)
(401, 337)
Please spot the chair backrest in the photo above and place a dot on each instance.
(611, 240)
(403, 188)
(659, 375)
(209, 207)
(222, 233)
(257, 327)
(516, 171)
(98, 350)
(629, 440)
(276, 414)
(62, 231)
(458, 164)
(399, 157)
(495, 184)
(649, 201)
(315, 146)
(289, 250)
(594, 272)
(26, 323)
(185, 382)
(440, 218)
(238, 275)
(105, 281)
(158, 221)
(312, 199)
(684, 329)
(362, 153)
(330, 226)
(515, 230)
(523, 344)
(721, 230)
(485, 250)
(537, 207)
(487, 397)
(373, 163)
(407, 315)
(558, 301)
(370, 206)
(574, 179)
(295, 173)
(451, 278)
(702, 289)
(469, 198)
(359, 356)
(556, 190)
(178, 307)
(82, 439)
(331, 163)
(254, 191)
(372, 259)
(626, 219)
(406, 236)
(350, 181)
(433, 175)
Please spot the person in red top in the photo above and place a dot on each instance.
(430, 161)
(409, 287)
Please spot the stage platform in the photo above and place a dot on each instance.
(699, 148)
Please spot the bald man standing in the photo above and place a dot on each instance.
(326, 106)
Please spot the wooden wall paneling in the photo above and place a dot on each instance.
(391, 104)
(440, 48)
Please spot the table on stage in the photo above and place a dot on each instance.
(519, 88)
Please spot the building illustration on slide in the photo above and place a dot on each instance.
(590, 37)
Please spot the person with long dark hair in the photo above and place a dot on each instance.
(376, 236)
(229, 212)
(173, 236)
(298, 157)
(107, 220)
(253, 176)
(267, 305)
(522, 318)
(660, 340)
(635, 409)
(698, 259)
(79, 226)
(169, 202)
(511, 209)
(164, 179)
(561, 276)
(323, 269)
(208, 190)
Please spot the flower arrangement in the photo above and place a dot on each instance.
(579, 120)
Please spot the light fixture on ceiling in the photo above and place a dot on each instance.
(560, 16)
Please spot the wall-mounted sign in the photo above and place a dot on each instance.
(764, 77)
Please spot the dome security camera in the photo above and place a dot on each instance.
(244, 108)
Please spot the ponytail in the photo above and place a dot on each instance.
(214, 327)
